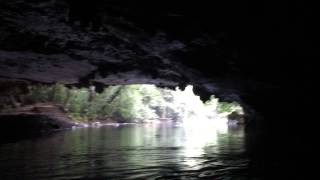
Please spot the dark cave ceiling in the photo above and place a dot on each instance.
(233, 50)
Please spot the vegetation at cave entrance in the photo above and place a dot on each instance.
(129, 103)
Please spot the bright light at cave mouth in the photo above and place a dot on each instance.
(137, 103)
(199, 115)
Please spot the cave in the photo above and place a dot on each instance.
(261, 55)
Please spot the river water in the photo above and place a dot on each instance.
(162, 151)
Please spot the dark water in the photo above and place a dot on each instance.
(129, 152)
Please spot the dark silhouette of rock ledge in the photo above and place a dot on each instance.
(34, 120)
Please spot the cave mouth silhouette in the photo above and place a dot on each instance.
(131, 103)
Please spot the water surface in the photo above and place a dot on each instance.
(163, 151)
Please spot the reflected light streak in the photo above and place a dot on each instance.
(201, 133)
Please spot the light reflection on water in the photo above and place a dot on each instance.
(163, 151)
(198, 136)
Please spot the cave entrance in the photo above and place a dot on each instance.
(140, 127)
(136, 103)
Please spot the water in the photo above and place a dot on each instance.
(164, 151)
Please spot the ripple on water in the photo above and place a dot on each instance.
(125, 153)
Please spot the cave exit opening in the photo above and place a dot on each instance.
(135, 116)
(136, 103)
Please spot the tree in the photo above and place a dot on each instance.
(130, 102)
(78, 102)
(59, 93)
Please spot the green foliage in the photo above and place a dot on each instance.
(224, 107)
(128, 103)
(39, 93)
(78, 102)
(59, 93)
(135, 102)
